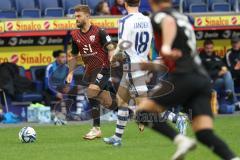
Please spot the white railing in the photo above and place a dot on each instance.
(181, 6)
(237, 5)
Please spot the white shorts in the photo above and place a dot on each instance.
(135, 82)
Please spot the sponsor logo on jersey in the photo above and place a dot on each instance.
(99, 76)
(92, 38)
(108, 38)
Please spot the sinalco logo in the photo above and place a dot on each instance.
(14, 59)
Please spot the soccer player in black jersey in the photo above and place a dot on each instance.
(176, 42)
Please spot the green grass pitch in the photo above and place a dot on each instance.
(66, 143)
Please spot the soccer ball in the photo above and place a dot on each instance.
(27, 135)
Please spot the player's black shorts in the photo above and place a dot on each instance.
(192, 91)
(99, 77)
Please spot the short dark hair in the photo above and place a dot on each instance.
(208, 42)
(82, 8)
(133, 3)
(57, 53)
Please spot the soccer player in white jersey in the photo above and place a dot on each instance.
(136, 28)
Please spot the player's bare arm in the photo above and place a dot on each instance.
(169, 30)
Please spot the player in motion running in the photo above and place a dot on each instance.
(135, 28)
(94, 46)
(178, 48)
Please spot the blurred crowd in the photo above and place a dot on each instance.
(223, 71)
(103, 8)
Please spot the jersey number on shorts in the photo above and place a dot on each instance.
(141, 42)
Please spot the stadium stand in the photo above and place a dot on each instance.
(28, 9)
(51, 8)
(194, 4)
(221, 7)
(69, 5)
(201, 7)
(7, 9)
(92, 4)
(144, 6)
(60, 8)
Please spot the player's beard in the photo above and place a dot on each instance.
(80, 24)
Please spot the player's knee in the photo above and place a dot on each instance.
(93, 90)
(149, 106)
(107, 99)
(202, 122)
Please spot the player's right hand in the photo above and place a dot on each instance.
(69, 77)
(173, 54)
(117, 58)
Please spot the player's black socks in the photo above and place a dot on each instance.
(95, 106)
(157, 123)
(208, 138)
(165, 129)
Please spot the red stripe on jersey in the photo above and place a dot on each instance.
(171, 64)
(90, 47)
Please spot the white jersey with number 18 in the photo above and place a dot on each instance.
(137, 29)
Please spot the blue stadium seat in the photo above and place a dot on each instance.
(21, 71)
(69, 4)
(27, 96)
(49, 4)
(210, 2)
(28, 8)
(8, 14)
(6, 5)
(188, 3)
(144, 6)
(176, 3)
(198, 8)
(84, 2)
(221, 7)
(70, 11)
(25, 4)
(111, 3)
(31, 13)
(38, 75)
(7, 9)
(48, 7)
(92, 4)
(54, 12)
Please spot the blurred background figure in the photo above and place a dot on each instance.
(119, 8)
(232, 59)
(102, 9)
(219, 74)
(55, 87)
